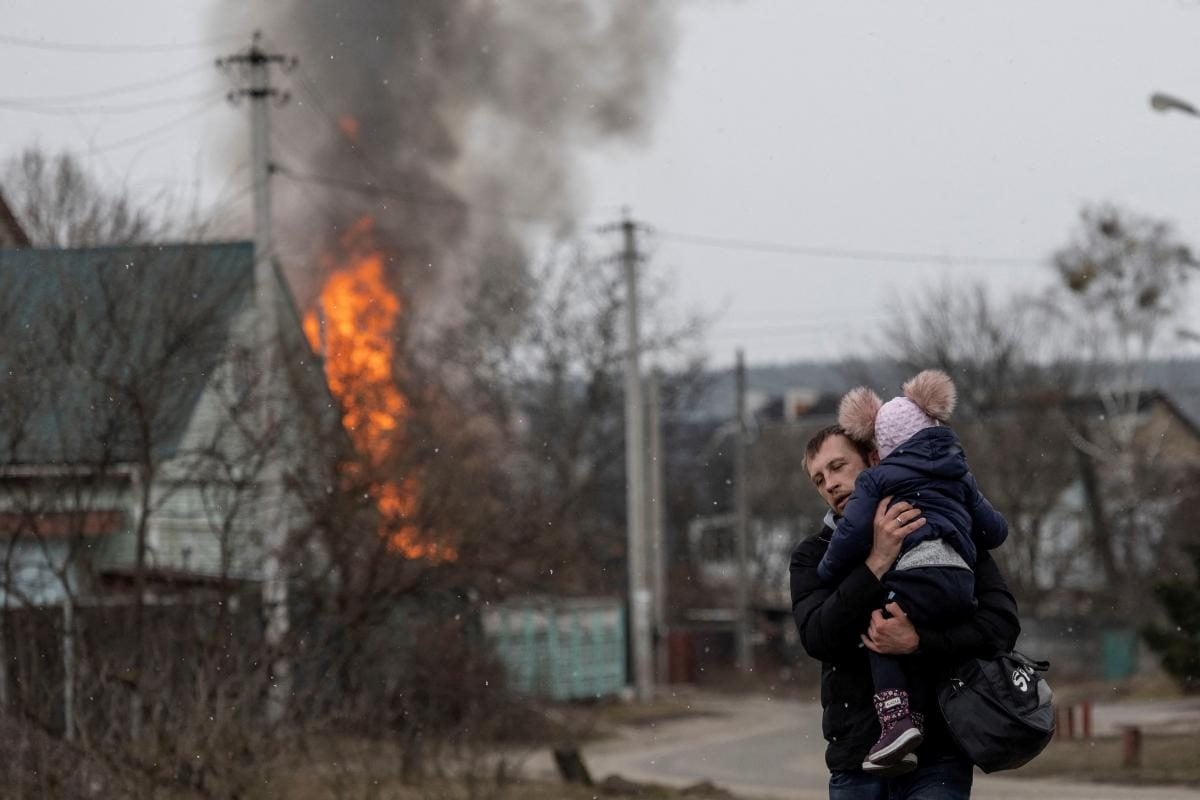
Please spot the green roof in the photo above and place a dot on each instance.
(104, 352)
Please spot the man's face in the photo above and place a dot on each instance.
(833, 470)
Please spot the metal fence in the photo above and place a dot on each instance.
(561, 649)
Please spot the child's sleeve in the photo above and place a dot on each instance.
(851, 540)
(988, 526)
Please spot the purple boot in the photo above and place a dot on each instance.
(901, 767)
(899, 735)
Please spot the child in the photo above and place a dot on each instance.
(921, 462)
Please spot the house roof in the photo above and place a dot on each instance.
(1181, 404)
(11, 232)
(108, 349)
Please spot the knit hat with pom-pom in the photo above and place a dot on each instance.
(856, 414)
(928, 401)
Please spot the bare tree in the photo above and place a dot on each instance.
(59, 204)
(542, 360)
(1124, 282)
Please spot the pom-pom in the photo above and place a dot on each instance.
(933, 391)
(856, 414)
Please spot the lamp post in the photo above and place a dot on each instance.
(1160, 101)
(1163, 102)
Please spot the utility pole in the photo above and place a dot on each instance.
(635, 467)
(745, 655)
(655, 526)
(255, 64)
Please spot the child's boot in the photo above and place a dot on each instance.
(899, 735)
(901, 767)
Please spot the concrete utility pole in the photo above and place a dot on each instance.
(655, 511)
(255, 64)
(635, 466)
(745, 655)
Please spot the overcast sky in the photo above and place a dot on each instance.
(967, 130)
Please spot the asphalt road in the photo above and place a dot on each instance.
(762, 747)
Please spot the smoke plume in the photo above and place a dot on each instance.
(456, 124)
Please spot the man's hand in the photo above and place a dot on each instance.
(893, 636)
(891, 526)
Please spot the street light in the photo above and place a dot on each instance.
(1165, 102)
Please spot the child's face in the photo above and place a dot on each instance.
(833, 470)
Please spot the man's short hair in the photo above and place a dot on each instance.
(819, 438)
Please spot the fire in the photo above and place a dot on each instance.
(349, 126)
(353, 324)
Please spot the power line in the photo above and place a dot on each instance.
(907, 257)
(110, 92)
(87, 47)
(65, 111)
(369, 188)
(846, 254)
(796, 327)
(156, 132)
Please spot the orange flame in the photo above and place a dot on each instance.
(353, 324)
(349, 126)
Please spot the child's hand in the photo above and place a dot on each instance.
(891, 636)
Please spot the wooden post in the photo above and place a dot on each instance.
(1070, 712)
(4, 656)
(68, 663)
(571, 765)
(1085, 710)
(1131, 746)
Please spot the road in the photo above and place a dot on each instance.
(770, 748)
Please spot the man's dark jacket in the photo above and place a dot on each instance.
(830, 622)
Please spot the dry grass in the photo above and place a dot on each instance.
(1165, 759)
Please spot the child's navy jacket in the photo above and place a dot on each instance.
(929, 470)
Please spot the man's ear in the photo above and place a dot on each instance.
(873, 458)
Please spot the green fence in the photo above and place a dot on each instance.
(563, 649)
(1119, 646)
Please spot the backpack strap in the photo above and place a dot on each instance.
(1040, 666)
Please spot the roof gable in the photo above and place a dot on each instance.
(105, 351)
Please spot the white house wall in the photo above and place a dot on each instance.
(198, 506)
(195, 529)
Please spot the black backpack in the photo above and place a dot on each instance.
(999, 709)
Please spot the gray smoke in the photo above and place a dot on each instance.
(468, 119)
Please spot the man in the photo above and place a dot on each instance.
(838, 624)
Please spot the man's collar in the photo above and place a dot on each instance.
(830, 520)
